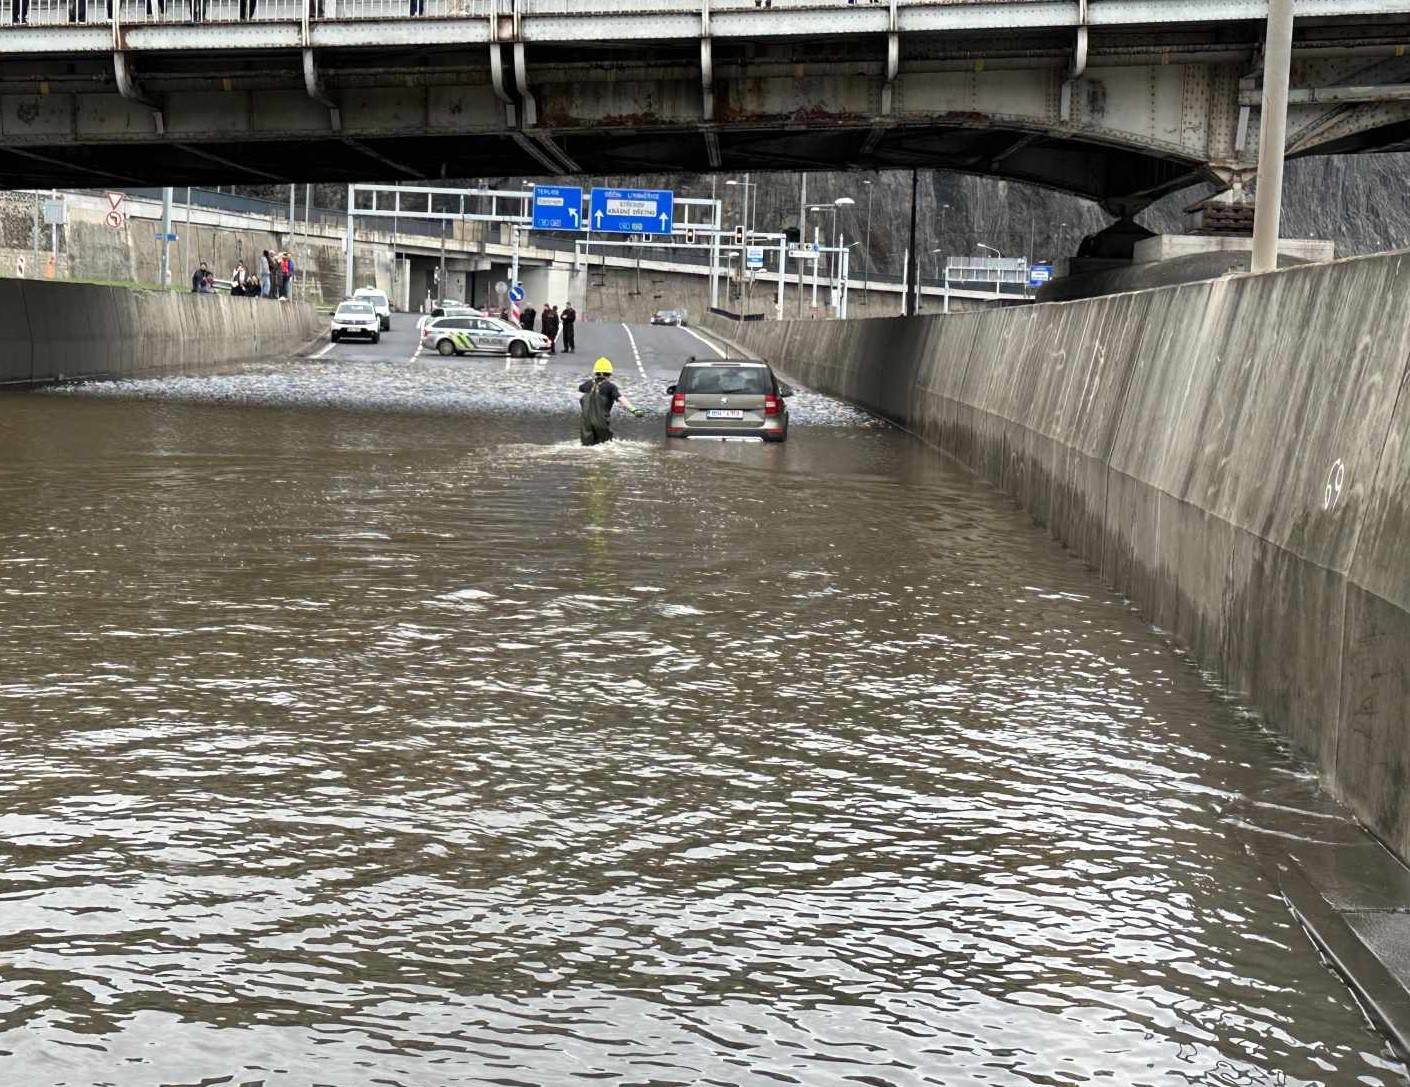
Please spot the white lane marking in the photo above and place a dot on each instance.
(636, 353)
(329, 347)
(703, 340)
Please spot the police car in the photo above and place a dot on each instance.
(463, 334)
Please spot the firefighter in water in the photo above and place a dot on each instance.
(599, 393)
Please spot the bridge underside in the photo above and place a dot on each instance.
(1147, 111)
(206, 158)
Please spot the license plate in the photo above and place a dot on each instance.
(722, 413)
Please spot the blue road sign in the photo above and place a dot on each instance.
(632, 211)
(557, 207)
(1038, 274)
(516, 293)
(165, 237)
(754, 257)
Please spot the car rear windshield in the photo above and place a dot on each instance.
(346, 309)
(726, 380)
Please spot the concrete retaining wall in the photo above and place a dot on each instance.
(66, 331)
(1233, 455)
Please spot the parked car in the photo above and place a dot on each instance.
(356, 317)
(669, 317)
(728, 398)
(380, 302)
(467, 335)
(455, 309)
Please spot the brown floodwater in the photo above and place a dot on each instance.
(381, 747)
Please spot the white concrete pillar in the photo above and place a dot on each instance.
(1273, 135)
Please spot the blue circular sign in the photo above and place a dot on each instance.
(516, 293)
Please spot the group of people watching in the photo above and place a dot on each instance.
(273, 280)
(551, 321)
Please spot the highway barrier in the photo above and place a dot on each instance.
(1233, 455)
(56, 331)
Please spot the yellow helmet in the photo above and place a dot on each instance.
(602, 366)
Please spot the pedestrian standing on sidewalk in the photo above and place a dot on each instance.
(569, 319)
(526, 319)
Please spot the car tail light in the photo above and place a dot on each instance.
(772, 405)
(678, 404)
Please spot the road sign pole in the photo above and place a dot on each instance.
(34, 237)
(164, 272)
(817, 259)
(782, 272)
(514, 259)
(348, 247)
(842, 292)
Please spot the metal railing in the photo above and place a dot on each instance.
(187, 12)
(54, 12)
(194, 12)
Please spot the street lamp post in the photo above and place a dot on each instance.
(746, 185)
(866, 248)
(831, 230)
(940, 278)
(998, 287)
(840, 202)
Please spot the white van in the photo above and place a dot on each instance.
(380, 302)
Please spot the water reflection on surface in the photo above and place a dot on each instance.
(359, 748)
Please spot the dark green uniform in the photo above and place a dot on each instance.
(599, 394)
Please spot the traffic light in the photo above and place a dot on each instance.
(690, 236)
(739, 235)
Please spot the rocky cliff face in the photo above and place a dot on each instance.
(1360, 202)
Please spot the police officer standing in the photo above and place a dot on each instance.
(548, 320)
(569, 317)
(526, 319)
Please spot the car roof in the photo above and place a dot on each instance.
(726, 362)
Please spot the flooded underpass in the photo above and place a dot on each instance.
(360, 727)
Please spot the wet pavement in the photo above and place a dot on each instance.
(361, 727)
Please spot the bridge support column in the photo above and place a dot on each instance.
(1273, 135)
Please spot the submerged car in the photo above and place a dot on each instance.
(669, 317)
(356, 318)
(728, 398)
(379, 301)
(466, 335)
